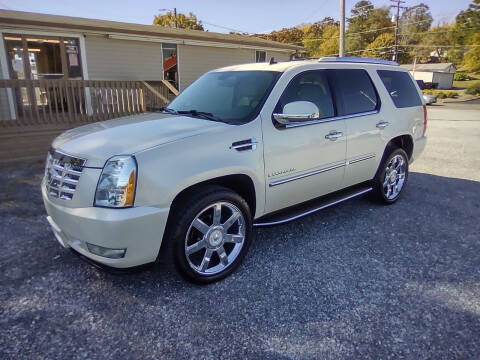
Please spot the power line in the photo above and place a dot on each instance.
(361, 32)
(226, 28)
(414, 46)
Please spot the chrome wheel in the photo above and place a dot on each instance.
(394, 178)
(215, 238)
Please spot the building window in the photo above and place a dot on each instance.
(45, 57)
(32, 57)
(260, 56)
(170, 67)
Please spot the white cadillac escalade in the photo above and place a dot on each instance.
(243, 146)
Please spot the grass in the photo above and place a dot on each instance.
(461, 85)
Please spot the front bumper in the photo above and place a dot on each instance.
(138, 229)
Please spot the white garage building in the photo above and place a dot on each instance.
(441, 73)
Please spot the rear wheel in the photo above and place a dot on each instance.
(212, 235)
(391, 177)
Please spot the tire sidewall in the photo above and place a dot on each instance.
(381, 176)
(182, 224)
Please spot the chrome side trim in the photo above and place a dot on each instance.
(335, 118)
(304, 175)
(249, 144)
(363, 158)
(324, 206)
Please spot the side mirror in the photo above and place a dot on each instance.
(298, 111)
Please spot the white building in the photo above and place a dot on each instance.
(441, 74)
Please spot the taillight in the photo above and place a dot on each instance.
(425, 119)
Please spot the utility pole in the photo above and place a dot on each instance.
(398, 2)
(342, 28)
(175, 14)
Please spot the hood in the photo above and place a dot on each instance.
(99, 141)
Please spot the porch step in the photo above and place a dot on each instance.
(298, 211)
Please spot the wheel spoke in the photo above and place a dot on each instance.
(217, 213)
(195, 247)
(206, 259)
(231, 238)
(200, 226)
(231, 220)
(223, 256)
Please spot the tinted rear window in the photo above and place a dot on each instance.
(400, 86)
(354, 91)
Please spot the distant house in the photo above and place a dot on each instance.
(441, 74)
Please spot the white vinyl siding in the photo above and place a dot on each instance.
(111, 59)
(444, 80)
(278, 56)
(194, 61)
(422, 75)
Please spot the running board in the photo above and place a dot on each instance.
(310, 207)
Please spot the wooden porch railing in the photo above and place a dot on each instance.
(37, 102)
(44, 108)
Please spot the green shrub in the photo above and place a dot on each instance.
(460, 76)
(473, 89)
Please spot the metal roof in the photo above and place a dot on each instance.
(38, 21)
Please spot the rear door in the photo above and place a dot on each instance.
(359, 104)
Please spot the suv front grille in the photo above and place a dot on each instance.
(62, 173)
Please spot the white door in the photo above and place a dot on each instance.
(358, 102)
(304, 160)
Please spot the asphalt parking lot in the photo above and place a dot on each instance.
(353, 282)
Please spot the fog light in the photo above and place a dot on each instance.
(106, 252)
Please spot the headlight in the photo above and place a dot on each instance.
(116, 187)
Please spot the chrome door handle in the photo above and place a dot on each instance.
(382, 124)
(333, 135)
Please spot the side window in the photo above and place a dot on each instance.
(309, 86)
(400, 86)
(354, 91)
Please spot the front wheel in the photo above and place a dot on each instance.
(213, 232)
(391, 177)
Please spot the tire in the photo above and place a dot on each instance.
(391, 177)
(207, 248)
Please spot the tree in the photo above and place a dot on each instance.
(414, 23)
(286, 35)
(313, 35)
(467, 22)
(182, 21)
(330, 42)
(365, 25)
(471, 61)
(381, 47)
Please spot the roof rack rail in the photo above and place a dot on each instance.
(358, 60)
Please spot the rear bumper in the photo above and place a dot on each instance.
(138, 229)
(418, 148)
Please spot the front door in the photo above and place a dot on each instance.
(303, 161)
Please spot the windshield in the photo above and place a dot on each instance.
(234, 97)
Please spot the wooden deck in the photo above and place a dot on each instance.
(45, 108)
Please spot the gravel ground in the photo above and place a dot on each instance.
(355, 281)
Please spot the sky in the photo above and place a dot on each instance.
(250, 16)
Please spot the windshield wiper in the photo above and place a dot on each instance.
(202, 114)
(167, 110)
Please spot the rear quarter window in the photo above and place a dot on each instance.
(401, 88)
